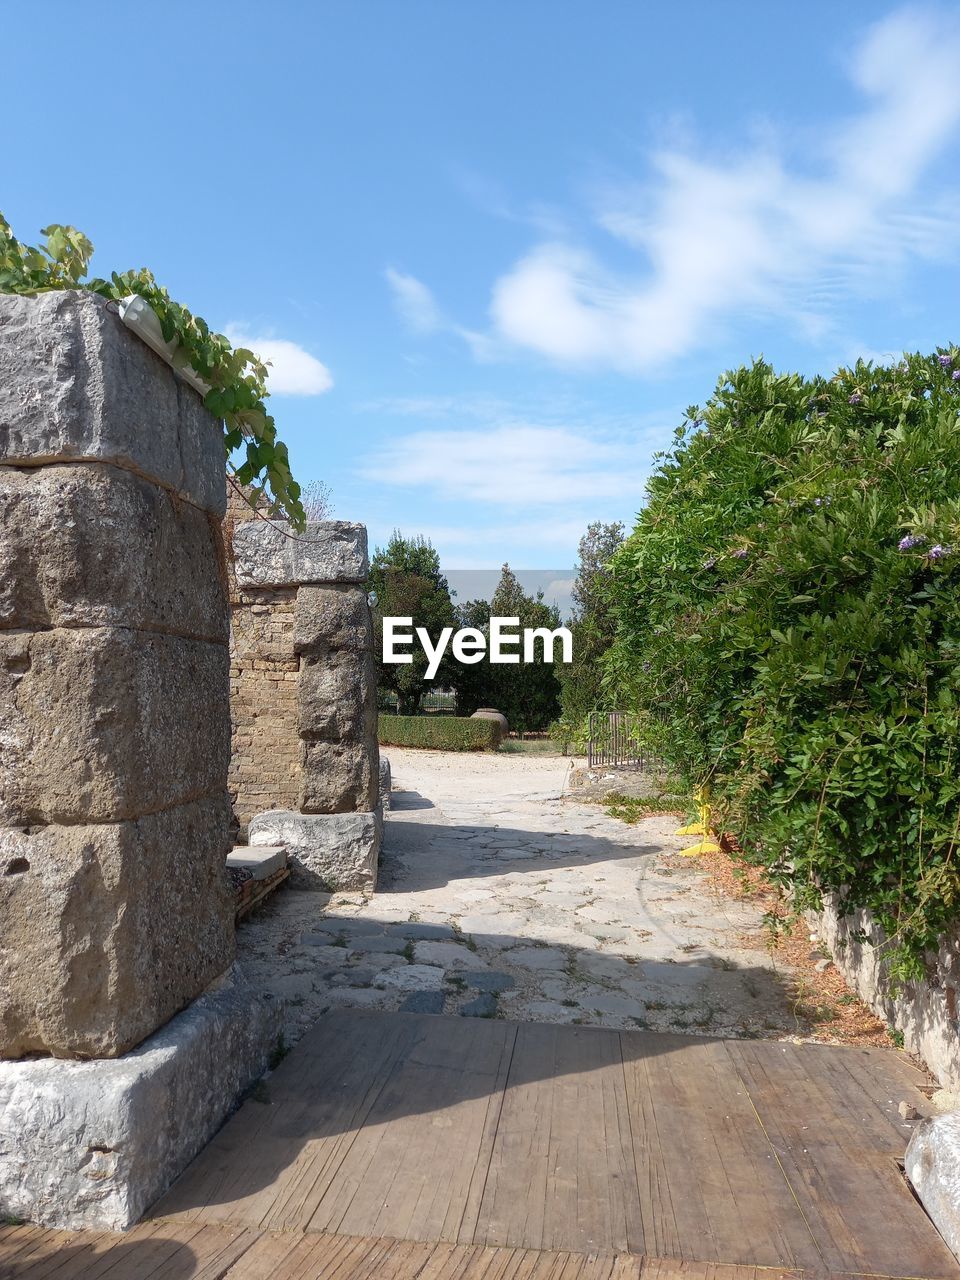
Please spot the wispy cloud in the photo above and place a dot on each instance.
(755, 233)
(468, 546)
(515, 465)
(414, 302)
(293, 371)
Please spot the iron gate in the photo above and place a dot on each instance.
(614, 739)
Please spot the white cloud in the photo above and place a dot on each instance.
(481, 547)
(513, 464)
(292, 372)
(751, 234)
(415, 303)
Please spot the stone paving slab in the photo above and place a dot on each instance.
(494, 883)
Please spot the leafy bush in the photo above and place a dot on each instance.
(442, 733)
(789, 618)
(236, 378)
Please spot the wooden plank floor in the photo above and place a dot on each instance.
(576, 1140)
(179, 1251)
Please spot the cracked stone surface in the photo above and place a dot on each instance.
(500, 891)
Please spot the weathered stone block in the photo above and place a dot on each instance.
(76, 384)
(338, 777)
(93, 1144)
(330, 851)
(267, 554)
(932, 1164)
(88, 546)
(337, 697)
(385, 783)
(262, 863)
(110, 929)
(102, 724)
(332, 617)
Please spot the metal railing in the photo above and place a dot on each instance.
(443, 700)
(614, 740)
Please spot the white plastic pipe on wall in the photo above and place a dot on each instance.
(138, 315)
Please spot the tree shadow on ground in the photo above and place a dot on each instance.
(412, 1125)
(427, 855)
(64, 1255)
(402, 800)
(357, 1071)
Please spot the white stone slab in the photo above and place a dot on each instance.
(93, 1144)
(932, 1164)
(262, 862)
(329, 851)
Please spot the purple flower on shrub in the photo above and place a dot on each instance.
(955, 376)
(856, 398)
(909, 542)
(711, 563)
(647, 666)
(938, 552)
(945, 361)
(741, 553)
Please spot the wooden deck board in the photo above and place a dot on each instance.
(846, 1181)
(266, 1159)
(709, 1181)
(562, 1173)
(545, 1138)
(186, 1251)
(404, 1147)
(420, 1161)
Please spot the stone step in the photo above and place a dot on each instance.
(262, 860)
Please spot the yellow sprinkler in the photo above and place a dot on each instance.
(700, 828)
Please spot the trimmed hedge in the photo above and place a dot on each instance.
(442, 733)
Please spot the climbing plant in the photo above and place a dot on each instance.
(789, 622)
(236, 377)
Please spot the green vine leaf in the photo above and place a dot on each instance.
(237, 378)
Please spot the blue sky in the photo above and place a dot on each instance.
(494, 249)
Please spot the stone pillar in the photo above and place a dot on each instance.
(115, 911)
(304, 700)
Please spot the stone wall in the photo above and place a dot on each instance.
(303, 697)
(265, 760)
(926, 1013)
(114, 819)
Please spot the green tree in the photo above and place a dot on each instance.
(593, 625)
(528, 693)
(406, 582)
(472, 681)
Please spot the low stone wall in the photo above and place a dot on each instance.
(114, 820)
(926, 1013)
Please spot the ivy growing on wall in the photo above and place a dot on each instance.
(789, 620)
(236, 377)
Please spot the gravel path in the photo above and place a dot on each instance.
(501, 896)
